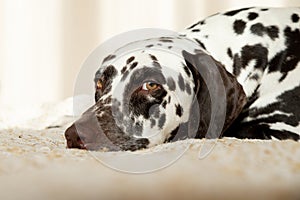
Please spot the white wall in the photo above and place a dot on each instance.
(44, 42)
(31, 51)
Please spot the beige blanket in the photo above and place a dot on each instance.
(34, 164)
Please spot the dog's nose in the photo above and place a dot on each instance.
(73, 138)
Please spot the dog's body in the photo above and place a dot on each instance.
(261, 47)
(140, 102)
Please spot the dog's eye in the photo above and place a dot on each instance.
(99, 85)
(149, 86)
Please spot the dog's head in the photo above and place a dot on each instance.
(150, 96)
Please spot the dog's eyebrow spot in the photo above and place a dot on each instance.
(129, 60)
(133, 65)
(153, 57)
(109, 57)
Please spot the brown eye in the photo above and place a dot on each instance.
(99, 85)
(150, 86)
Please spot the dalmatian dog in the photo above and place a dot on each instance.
(248, 58)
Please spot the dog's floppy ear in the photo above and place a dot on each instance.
(219, 97)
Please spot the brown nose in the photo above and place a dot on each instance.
(73, 138)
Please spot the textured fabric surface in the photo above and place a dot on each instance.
(34, 164)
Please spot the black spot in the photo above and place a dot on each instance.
(153, 122)
(273, 32)
(153, 57)
(171, 84)
(200, 43)
(234, 12)
(166, 39)
(154, 111)
(107, 58)
(194, 25)
(295, 18)
(258, 29)
(179, 110)
(169, 100)
(264, 9)
(133, 65)
(170, 47)
(188, 88)
(164, 104)
(123, 69)
(229, 53)
(239, 26)
(237, 65)
(149, 46)
(49, 127)
(252, 16)
(110, 72)
(256, 52)
(181, 82)
(161, 121)
(129, 60)
(196, 30)
(186, 69)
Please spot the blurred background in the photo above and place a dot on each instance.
(43, 43)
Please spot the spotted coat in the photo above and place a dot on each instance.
(255, 52)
